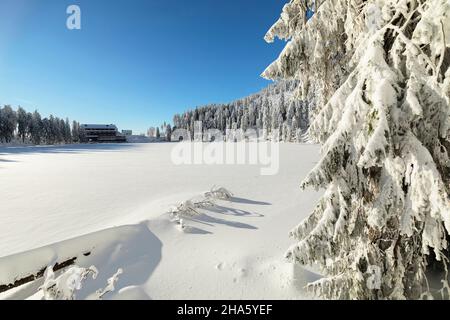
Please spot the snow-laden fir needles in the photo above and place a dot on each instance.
(378, 72)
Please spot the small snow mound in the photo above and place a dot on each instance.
(219, 266)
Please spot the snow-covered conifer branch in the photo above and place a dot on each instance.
(379, 72)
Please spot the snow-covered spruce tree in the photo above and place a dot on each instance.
(379, 70)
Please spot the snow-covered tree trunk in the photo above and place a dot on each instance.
(379, 72)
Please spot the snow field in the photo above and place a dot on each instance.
(113, 201)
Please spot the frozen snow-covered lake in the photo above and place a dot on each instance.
(52, 194)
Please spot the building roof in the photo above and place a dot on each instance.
(99, 126)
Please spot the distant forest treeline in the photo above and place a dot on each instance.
(30, 127)
(272, 108)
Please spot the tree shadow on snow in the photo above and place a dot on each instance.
(7, 161)
(65, 149)
(207, 219)
(194, 230)
(248, 201)
(302, 277)
(234, 212)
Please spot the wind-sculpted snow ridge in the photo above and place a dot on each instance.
(127, 253)
(380, 72)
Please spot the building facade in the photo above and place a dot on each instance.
(127, 132)
(101, 133)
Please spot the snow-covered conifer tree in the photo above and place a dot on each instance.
(245, 121)
(294, 130)
(22, 123)
(290, 113)
(275, 117)
(168, 133)
(35, 128)
(266, 118)
(379, 73)
(286, 132)
(67, 132)
(75, 131)
(8, 123)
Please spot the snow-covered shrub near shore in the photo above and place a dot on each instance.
(64, 286)
(110, 287)
(189, 208)
(219, 193)
(380, 71)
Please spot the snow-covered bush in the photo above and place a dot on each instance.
(379, 72)
(218, 192)
(64, 286)
(110, 287)
(189, 208)
(184, 208)
(71, 280)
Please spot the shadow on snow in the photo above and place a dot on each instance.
(209, 220)
(65, 149)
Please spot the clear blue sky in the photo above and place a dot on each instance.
(133, 63)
